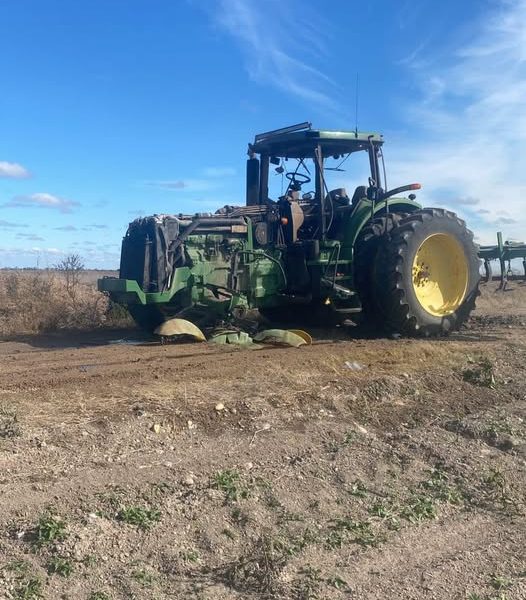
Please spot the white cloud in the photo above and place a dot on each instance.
(42, 200)
(466, 142)
(13, 170)
(53, 251)
(263, 30)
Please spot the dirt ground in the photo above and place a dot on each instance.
(352, 468)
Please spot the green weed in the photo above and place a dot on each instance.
(419, 509)
(357, 532)
(17, 566)
(386, 513)
(60, 566)
(358, 489)
(139, 516)
(308, 584)
(143, 577)
(481, 374)
(337, 582)
(9, 425)
(437, 484)
(190, 556)
(228, 533)
(98, 596)
(30, 589)
(49, 529)
(229, 482)
(499, 582)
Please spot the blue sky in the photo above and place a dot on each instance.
(111, 109)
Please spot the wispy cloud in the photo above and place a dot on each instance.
(182, 185)
(30, 237)
(66, 228)
(42, 200)
(271, 52)
(13, 170)
(10, 225)
(52, 251)
(468, 145)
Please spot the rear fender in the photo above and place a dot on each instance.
(363, 213)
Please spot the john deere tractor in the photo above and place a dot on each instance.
(301, 248)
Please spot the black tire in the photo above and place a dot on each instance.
(147, 317)
(366, 250)
(397, 278)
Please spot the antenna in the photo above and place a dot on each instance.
(356, 106)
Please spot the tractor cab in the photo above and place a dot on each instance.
(305, 162)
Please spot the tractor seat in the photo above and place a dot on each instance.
(359, 193)
(338, 196)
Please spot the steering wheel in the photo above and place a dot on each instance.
(298, 178)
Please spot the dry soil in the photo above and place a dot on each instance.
(352, 468)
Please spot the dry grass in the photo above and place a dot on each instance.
(41, 301)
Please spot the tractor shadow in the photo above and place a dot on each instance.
(479, 329)
(69, 339)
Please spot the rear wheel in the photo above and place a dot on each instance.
(366, 249)
(427, 274)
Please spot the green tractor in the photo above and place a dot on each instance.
(305, 251)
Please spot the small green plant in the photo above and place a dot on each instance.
(495, 479)
(190, 556)
(499, 582)
(228, 533)
(349, 438)
(229, 482)
(98, 596)
(143, 577)
(357, 532)
(50, 528)
(335, 539)
(386, 513)
(308, 584)
(419, 509)
(89, 560)
(19, 567)
(139, 516)
(358, 489)
(9, 425)
(481, 374)
(337, 582)
(437, 484)
(498, 490)
(29, 589)
(60, 566)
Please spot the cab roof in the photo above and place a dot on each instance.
(300, 141)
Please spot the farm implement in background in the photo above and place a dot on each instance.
(504, 252)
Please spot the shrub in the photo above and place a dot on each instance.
(45, 301)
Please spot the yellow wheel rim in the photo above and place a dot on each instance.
(440, 274)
